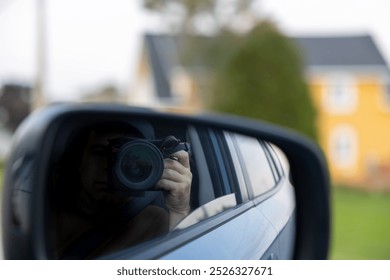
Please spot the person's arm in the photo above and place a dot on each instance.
(176, 181)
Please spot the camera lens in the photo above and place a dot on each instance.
(139, 165)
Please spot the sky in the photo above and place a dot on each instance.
(332, 17)
(93, 43)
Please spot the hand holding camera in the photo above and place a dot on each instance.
(176, 181)
(139, 165)
(136, 165)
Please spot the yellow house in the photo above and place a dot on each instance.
(349, 82)
(160, 81)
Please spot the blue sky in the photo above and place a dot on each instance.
(92, 43)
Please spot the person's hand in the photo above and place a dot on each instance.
(176, 181)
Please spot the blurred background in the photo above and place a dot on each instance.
(317, 67)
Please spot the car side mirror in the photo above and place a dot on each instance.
(243, 173)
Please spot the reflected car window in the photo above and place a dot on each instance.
(256, 164)
(282, 159)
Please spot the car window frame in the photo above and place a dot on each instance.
(276, 159)
(271, 161)
(237, 168)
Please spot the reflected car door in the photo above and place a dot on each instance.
(271, 192)
(255, 201)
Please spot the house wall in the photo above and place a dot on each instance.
(143, 94)
(185, 98)
(186, 90)
(354, 128)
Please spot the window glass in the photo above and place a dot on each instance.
(343, 146)
(271, 160)
(280, 159)
(237, 166)
(387, 93)
(255, 164)
(341, 94)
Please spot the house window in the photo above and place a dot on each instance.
(343, 146)
(341, 94)
(387, 94)
(383, 90)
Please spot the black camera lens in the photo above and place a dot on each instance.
(139, 165)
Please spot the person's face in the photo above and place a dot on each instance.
(93, 169)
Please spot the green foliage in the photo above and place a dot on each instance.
(222, 13)
(257, 74)
(260, 75)
(187, 9)
(192, 6)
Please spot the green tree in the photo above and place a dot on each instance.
(263, 78)
(204, 16)
(249, 67)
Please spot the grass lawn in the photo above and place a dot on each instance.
(361, 225)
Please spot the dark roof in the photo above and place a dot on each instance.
(340, 51)
(163, 56)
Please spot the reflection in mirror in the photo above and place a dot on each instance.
(115, 185)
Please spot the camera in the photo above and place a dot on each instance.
(135, 165)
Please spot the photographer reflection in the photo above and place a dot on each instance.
(99, 214)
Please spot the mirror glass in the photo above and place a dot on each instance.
(118, 186)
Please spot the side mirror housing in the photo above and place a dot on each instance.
(40, 140)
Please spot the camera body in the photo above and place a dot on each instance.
(135, 165)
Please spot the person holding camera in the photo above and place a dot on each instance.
(117, 218)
